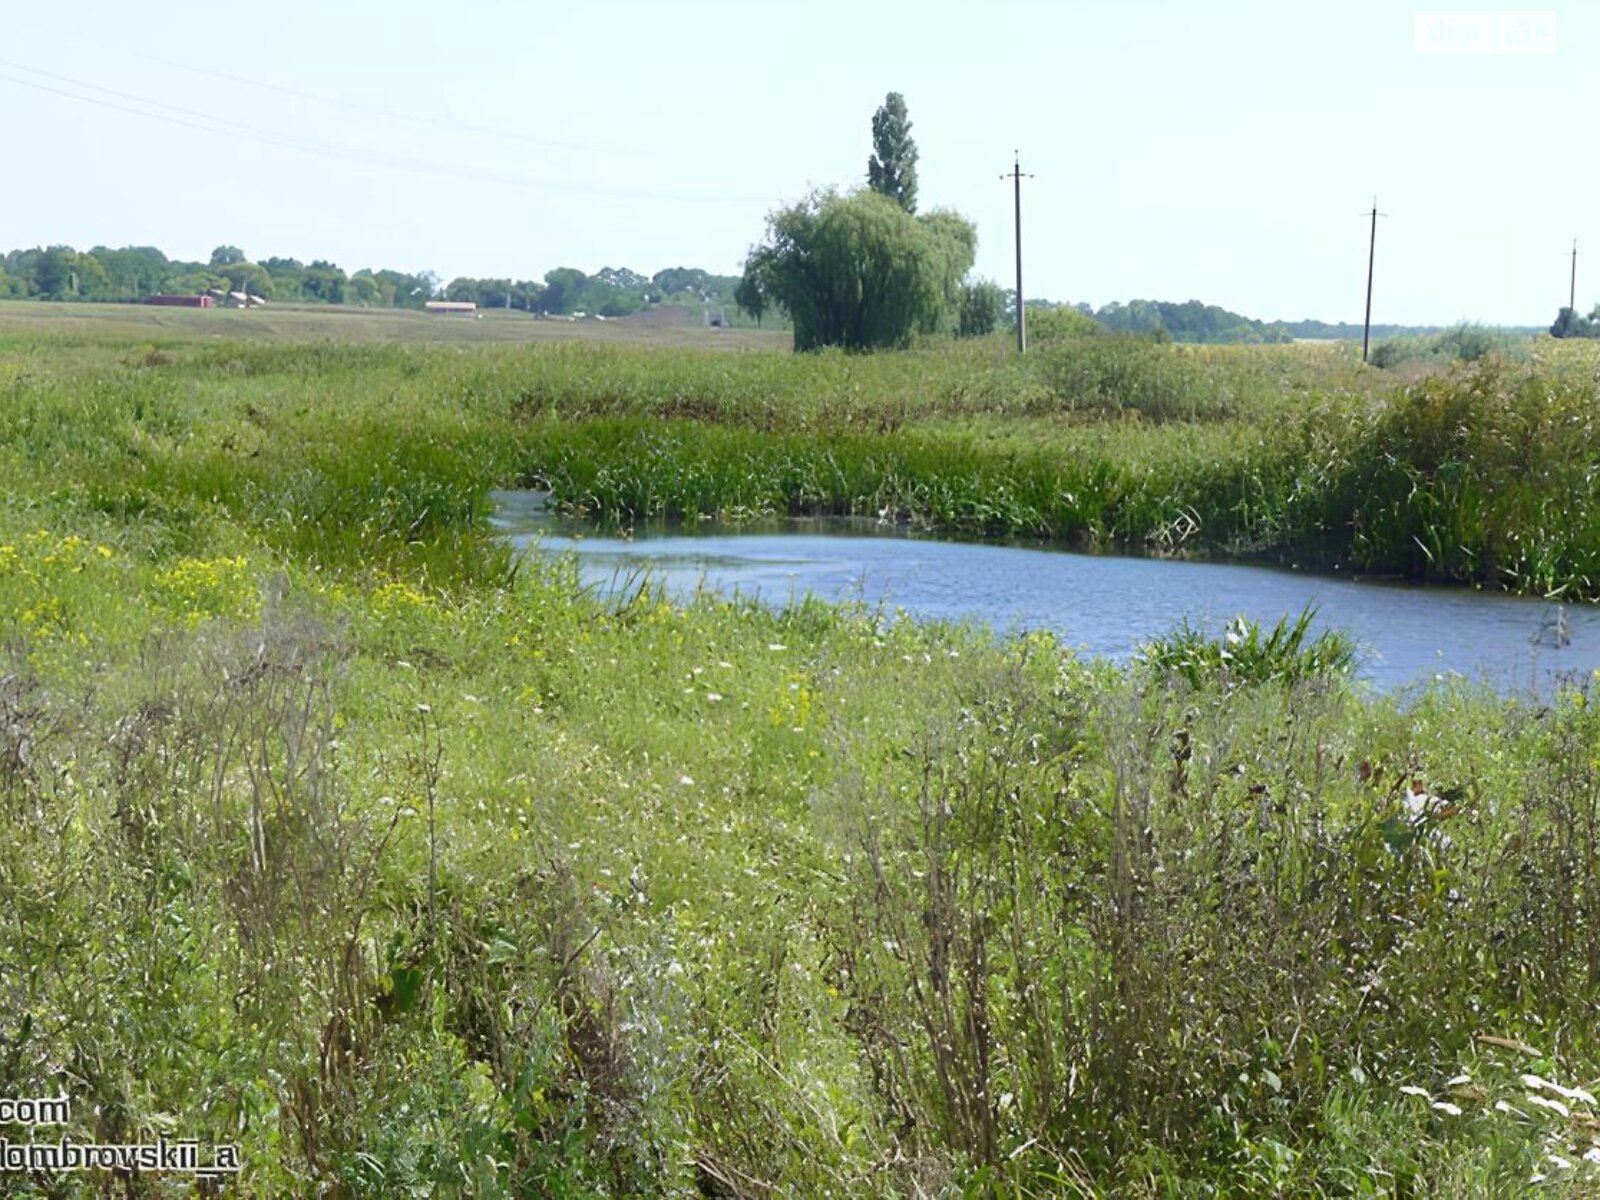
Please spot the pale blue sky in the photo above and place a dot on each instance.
(1216, 151)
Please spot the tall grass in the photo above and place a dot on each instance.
(1479, 474)
(1126, 374)
(1248, 654)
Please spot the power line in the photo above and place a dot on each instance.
(239, 130)
(254, 132)
(192, 119)
(391, 114)
(40, 87)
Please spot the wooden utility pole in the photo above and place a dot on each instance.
(1372, 253)
(1572, 296)
(1016, 176)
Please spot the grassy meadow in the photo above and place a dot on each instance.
(335, 833)
(666, 326)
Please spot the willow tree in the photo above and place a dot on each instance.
(859, 271)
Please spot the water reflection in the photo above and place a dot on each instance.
(1105, 605)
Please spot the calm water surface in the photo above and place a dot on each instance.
(1104, 605)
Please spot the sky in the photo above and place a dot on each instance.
(1220, 151)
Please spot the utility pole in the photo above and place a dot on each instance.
(1016, 176)
(1572, 296)
(1372, 253)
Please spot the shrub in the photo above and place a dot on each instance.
(983, 308)
(1047, 325)
(1460, 343)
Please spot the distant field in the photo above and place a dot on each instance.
(346, 324)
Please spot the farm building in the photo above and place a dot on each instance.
(235, 299)
(182, 301)
(450, 307)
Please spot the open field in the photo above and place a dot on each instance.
(332, 832)
(20, 318)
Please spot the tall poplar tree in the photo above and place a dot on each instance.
(892, 169)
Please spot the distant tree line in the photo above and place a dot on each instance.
(1190, 321)
(610, 292)
(1193, 321)
(940, 297)
(134, 273)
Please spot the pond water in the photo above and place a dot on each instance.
(1104, 605)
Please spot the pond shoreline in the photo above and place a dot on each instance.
(1108, 604)
(756, 524)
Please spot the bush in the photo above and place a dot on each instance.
(1394, 351)
(983, 308)
(1469, 343)
(1046, 325)
(1460, 343)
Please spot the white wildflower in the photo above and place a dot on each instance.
(1553, 1105)
(1535, 1083)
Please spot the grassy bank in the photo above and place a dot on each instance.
(332, 833)
(1480, 473)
